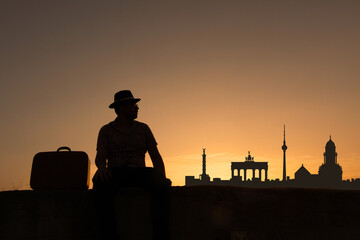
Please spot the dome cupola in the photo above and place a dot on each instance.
(330, 144)
(330, 155)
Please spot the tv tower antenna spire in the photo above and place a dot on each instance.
(284, 148)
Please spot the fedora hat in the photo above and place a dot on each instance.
(122, 97)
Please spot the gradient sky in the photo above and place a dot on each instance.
(220, 75)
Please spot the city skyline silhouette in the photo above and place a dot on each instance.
(329, 176)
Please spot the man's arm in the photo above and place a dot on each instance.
(103, 174)
(100, 159)
(157, 160)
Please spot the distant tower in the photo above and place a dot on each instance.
(330, 171)
(204, 162)
(204, 177)
(284, 147)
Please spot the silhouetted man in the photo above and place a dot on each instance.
(121, 148)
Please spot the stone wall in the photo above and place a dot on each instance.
(206, 212)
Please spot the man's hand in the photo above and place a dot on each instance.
(157, 160)
(168, 182)
(102, 175)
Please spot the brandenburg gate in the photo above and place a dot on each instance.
(249, 164)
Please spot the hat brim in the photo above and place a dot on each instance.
(132, 100)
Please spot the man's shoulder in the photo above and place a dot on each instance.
(140, 124)
(107, 126)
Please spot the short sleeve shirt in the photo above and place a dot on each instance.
(125, 148)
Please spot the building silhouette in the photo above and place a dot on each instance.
(330, 172)
(329, 175)
(248, 164)
(303, 178)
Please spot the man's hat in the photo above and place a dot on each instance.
(123, 96)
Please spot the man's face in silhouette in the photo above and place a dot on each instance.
(129, 110)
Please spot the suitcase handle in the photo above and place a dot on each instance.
(64, 148)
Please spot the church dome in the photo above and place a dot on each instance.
(330, 144)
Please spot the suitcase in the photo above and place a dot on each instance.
(60, 170)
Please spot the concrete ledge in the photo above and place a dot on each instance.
(206, 212)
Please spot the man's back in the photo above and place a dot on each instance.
(126, 147)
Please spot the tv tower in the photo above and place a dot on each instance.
(284, 147)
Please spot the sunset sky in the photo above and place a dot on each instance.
(220, 75)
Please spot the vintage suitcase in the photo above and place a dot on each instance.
(60, 170)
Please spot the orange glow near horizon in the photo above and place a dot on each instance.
(220, 76)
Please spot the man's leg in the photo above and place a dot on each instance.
(104, 196)
(160, 204)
